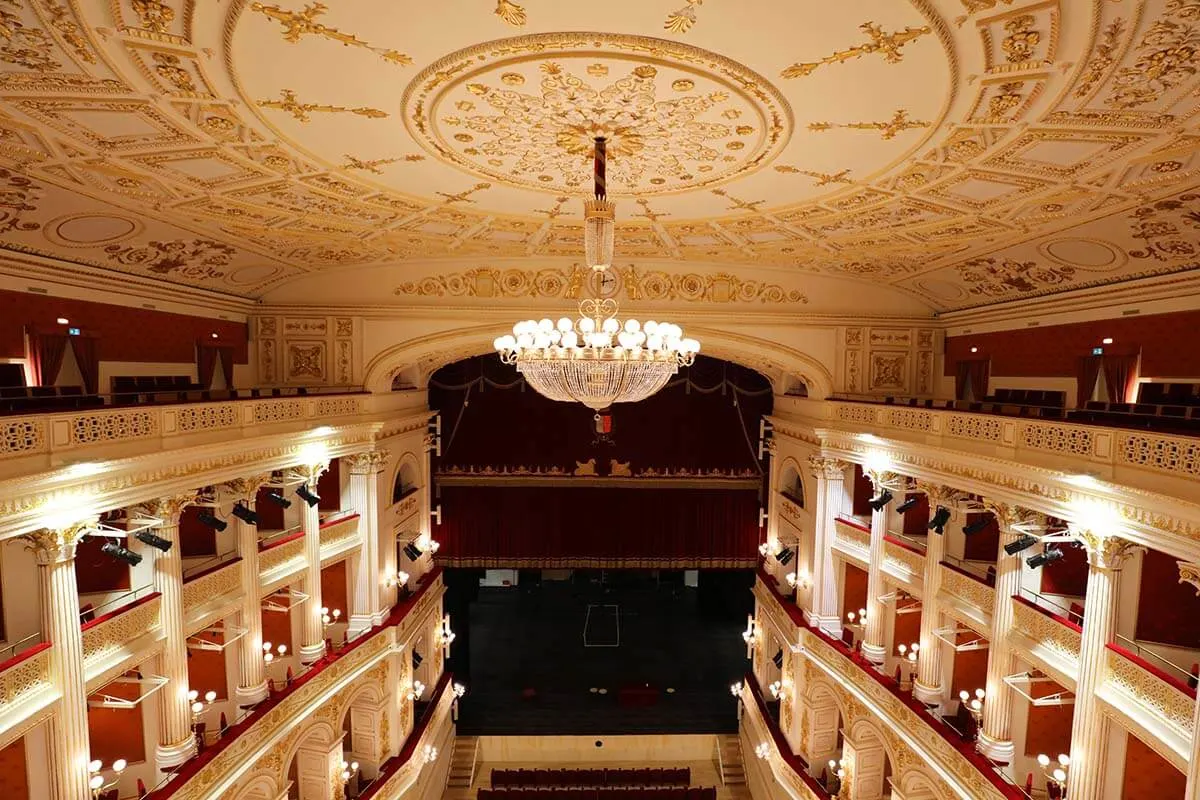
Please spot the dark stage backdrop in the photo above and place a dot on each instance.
(561, 527)
(705, 419)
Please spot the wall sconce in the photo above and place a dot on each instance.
(431, 754)
(799, 579)
(331, 617)
(416, 690)
(349, 768)
(426, 544)
(973, 704)
(750, 636)
(763, 751)
(459, 690)
(860, 617)
(397, 580)
(445, 636)
(780, 690)
(768, 548)
(909, 651)
(1056, 772)
(97, 783)
(735, 689)
(268, 656)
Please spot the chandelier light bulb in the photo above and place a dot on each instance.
(197, 707)
(1059, 775)
(1064, 759)
(95, 765)
(96, 782)
(1043, 759)
(283, 649)
(210, 697)
(266, 646)
(119, 765)
(268, 657)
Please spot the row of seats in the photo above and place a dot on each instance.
(1169, 394)
(674, 776)
(26, 399)
(608, 793)
(1028, 397)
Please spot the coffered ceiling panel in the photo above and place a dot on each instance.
(952, 153)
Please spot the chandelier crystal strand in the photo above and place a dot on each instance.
(595, 359)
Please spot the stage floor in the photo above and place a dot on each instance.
(578, 658)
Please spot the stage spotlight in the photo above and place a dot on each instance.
(412, 551)
(778, 659)
(909, 504)
(1047, 556)
(279, 500)
(157, 542)
(940, 518)
(1022, 542)
(978, 526)
(114, 550)
(244, 513)
(878, 503)
(417, 659)
(307, 496)
(785, 555)
(211, 521)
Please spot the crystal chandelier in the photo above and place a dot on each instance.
(596, 359)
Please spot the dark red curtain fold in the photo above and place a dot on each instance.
(88, 359)
(206, 362)
(46, 351)
(1120, 377)
(1085, 379)
(557, 527)
(972, 372)
(227, 364)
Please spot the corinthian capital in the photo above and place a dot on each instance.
(245, 489)
(311, 473)
(366, 463)
(52, 545)
(169, 508)
(1106, 552)
(938, 494)
(1009, 516)
(827, 468)
(1189, 573)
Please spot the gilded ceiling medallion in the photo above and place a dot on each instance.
(539, 101)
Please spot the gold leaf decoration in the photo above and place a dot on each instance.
(889, 45)
(301, 111)
(510, 12)
(17, 194)
(297, 24)
(682, 19)
(199, 258)
(899, 122)
(25, 47)
(1167, 56)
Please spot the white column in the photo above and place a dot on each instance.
(1190, 573)
(69, 750)
(927, 687)
(873, 635)
(830, 473)
(252, 678)
(176, 741)
(367, 608)
(312, 632)
(995, 740)
(1089, 726)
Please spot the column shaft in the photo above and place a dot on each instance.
(367, 604)
(312, 632)
(69, 749)
(829, 475)
(252, 680)
(1089, 726)
(928, 684)
(1193, 772)
(176, 743)
(873, 636)
(995, 741)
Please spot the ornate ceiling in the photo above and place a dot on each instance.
(941, 153)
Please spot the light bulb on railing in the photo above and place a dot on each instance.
(735, 689)
(791, 579)
(1060, 775)
(1064, 760)
(193, 695)
(459, 690)
(399, 579)
(763, 750)
(1043, 760)
(850, 616)
(97, 782)
(210, 697)
(96, 765)
(197, 707)
(862, 615)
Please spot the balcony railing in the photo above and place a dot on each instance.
(392, 773)
(1159, 701)
(795, 769)
(1050, 640)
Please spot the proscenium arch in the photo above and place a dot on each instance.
(773, 360)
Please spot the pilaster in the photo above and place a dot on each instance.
(830, 475)
(873, 635)
(69, 748)
(312, 632)
(367, 608)
(176, 742)
(927, 686)
(1089, 725)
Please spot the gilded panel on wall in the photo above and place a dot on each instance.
(306, 361)
(889, 371)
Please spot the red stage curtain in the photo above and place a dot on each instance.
(563, 527)
(226, 352)
(88, 361)
(1085, 379)
(46, 351)
(1120, 377)
(975, 372)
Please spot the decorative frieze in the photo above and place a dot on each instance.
(275, 558)
(279, 411)
(206, 417)
(19, 437)
(974, 426)
(334, 534)
(113, 426)
(1173, 455)
(901, 561)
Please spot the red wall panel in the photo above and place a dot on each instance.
(985, 545)
(206, 672)
(195, 538)
(124, 333)
(1068, 575)
(1149, 776)
(277, 627)
(117, 732)
(14, 783)
(1168, 610)
(96, 572)
(1053, 350)
(334, 589)
(854, 590)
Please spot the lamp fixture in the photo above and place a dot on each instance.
(278, 499)
(331, 617)
(212, 521)
(940, 517)
(978, 526)
(880, 502)
(244, 513)
(349, 768)
(763, 751)
(157, 542)
(397, 580)
(908, 504)
(268, 656)
(1047, 556)
(735, 689)
(595, 359)
(974, 705)
(305, 494)
(1022, 542)
(114, 550)
(431, 754)
(1056, 772)
(96, 782)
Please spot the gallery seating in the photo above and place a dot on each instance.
(681, 776)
